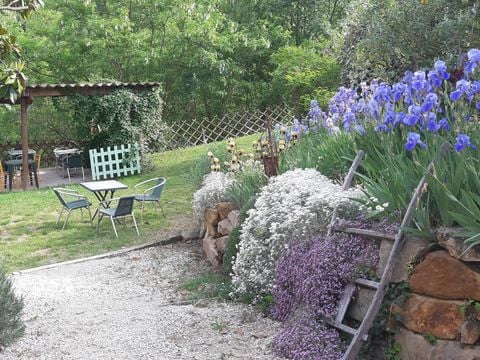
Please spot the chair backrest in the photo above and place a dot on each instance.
(59, 196)
(157, 191)
(125, 206)
(74, 161)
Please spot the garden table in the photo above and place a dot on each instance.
(103, 189)
(61, 154)
(17, 154)
(10, 165)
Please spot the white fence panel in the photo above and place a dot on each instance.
(114, 161)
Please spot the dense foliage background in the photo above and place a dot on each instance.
(216, 56)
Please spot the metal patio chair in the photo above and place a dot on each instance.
(72, 200)
(123, 210)
(73, 161)
(151, 194)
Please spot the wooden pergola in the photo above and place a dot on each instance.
(57, 90)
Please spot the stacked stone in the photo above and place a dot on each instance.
(445, 287)
(218, 223)
(439, 319)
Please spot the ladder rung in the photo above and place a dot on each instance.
(344, 302)
(364, 232)
(346, 329)
(367, 283)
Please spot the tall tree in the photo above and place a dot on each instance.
(385, 38)
(13, 81)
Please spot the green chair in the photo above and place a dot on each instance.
(151, 194)
(72, 200)
(123, 210)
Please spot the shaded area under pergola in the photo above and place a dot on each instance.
(57, 90)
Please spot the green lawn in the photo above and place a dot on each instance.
(29, 236)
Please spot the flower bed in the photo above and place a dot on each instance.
(295, 205)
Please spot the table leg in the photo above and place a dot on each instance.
(35, 174)
(10, 176)
(101, 196)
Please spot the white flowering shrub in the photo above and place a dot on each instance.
(213, 190)
(293, 206)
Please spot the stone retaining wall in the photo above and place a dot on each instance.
(218, 223)
(440, 318)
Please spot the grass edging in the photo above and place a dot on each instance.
(170, 240)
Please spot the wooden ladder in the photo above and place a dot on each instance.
(361, 333)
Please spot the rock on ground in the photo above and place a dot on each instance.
(123, 308)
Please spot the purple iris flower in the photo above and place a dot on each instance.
(463, 141)
(463, 85)
(389, 117)
(440, 66)
(360, 129)
(469, 67)
(474, 55)
(413, 139)
(361, 107)
(435, 78)
(478, 106)
(461, 88)
(444, 124)
(374, 108)
(475, 87)
(439, 74)
(413, 115)
(399, 119)
(398, 90)
(418, 81)
(382, 94)
(431, 100)
(408, 77)
(315, 112)
(455, 95)
(432, 124)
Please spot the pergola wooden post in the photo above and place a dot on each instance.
(56, 90)
(24, 102)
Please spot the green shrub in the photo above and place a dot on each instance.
(330, 155)
(11, 306)
(247, 184)
(231, 250)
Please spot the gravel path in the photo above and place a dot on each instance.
(121, 308)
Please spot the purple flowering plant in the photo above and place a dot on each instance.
(430, 114)
(309, 281)
(425, 103)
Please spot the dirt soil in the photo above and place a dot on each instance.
(129, 307)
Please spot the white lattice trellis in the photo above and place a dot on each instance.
(196, 132)
(115, 161)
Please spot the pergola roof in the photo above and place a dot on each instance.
(54, 90)
(39, 90)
